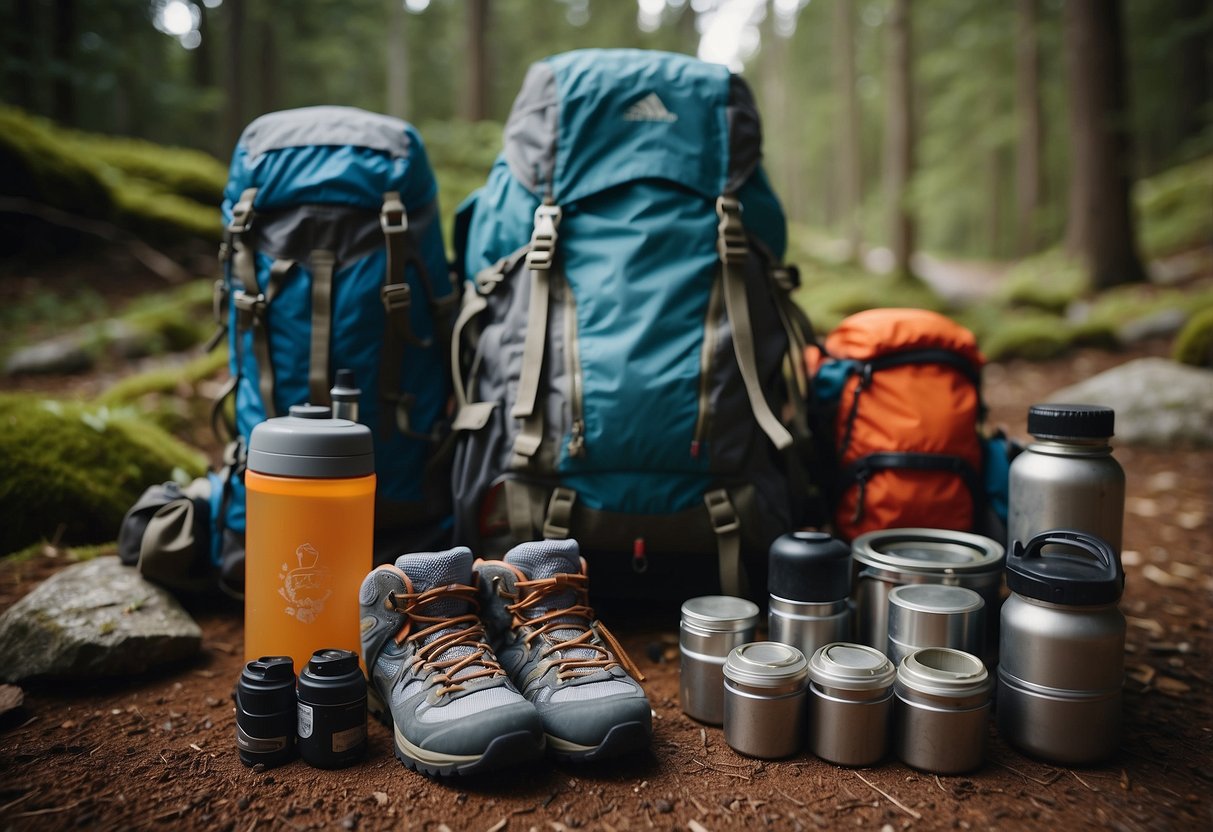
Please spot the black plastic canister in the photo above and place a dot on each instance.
(332, 709)
(265, 711)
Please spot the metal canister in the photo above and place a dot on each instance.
(943, 707)
(934, 615)
(712, 626)
(1063, 641)
(1067, 478)
(809, 581)
(896, 557)
(850, 704)
(764, 699)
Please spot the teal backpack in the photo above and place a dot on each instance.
(333, 259)
(625, 327)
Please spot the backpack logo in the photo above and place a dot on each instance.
(649, 108)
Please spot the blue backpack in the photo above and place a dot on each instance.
(625, 325)
(333, 259)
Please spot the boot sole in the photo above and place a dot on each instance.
(503, 752)
(623, 738)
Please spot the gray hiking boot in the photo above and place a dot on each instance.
(433, 677)
(534, 604)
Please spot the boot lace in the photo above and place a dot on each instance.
(460, 631)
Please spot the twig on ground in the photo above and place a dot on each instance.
(1048, 782)
(890, 798)
(49, 811)
(739, 776)
(799, 803)
(1084, 782)
(21, 799)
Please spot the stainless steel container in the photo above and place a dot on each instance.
(943, 707)
(934, 615)
(1067, 478)
(1063, 641)
(712, 625)
(896, 557)
(809, 580)
(850, 704)
(764, 699)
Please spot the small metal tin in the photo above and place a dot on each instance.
(934, 615)
(764, 699)
(712, 626)
(850, 704)
(896, 557)
(943, 708)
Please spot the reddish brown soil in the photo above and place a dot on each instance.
(158, 752)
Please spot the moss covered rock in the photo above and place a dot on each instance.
(72, 470)
(1194, 343)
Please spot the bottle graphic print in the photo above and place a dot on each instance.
(311, 498)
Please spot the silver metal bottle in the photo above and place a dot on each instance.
(1063, 641)
(943, 707)
(712, 625)
(809, 580)
(764, 685)
(850, 704)
(1067, 478)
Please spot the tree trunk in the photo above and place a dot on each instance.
(63, 106)
(850, 176)
(1029, 191)
(397, 62)
(1196, 65)
(24, 50)
(234, 79)
(476, 83)
(269, 78)
(1100, 222)
(899, 137)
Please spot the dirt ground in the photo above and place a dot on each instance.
(159, 752)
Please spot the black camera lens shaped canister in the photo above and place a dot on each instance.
(265, 711)
(332, 709)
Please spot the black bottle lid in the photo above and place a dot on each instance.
(345, 387)
(1071, 421)
(1077, 569)
(267, 685)
(332, 677)
(810, 567)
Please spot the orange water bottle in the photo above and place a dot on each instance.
(311, 511)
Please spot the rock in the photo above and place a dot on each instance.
(65, 354)
(11, 698)
(94, 619)
(1161, 324)
(1157, 402)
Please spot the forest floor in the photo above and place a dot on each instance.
(158, 751)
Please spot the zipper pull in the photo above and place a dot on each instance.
(640, 563)
(694, 449)
(863, 484)
(577, 439)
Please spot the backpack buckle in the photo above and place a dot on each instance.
(543, 238)
(731, 242)
(249, 308)
(242, 212)
(392, 216)
(721, 512)
(396, 297)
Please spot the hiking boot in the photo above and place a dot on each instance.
(433, 677)
(534, 604)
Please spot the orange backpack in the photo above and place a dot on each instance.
(902, 390)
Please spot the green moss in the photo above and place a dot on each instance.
(462, 155)
(174, 320)
(1175, 209)
(153, 213)
(829, 293)
(40, 166)
(1048, 281)
(1033, 336)
(70, 471)
(1125, 304)
(164, 379)
(1194, 343)
(192, 174)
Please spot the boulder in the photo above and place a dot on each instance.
(1157, 402)
(94, 619)
(62, 355)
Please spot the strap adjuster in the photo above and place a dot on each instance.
(396, 297)
(721, 512)
(543, 238)
(731, 242)
(242, 212)
(249, 308)
(392, 216)
(559, 520)
(488, 279)
(219, 302)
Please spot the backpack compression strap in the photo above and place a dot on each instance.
(733, 248)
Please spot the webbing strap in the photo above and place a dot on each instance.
(252, 312)
(539, 262)
(558, 522)
(725, 524)
(733, 249)
(322, 263)
(468, 415)
(862, 469)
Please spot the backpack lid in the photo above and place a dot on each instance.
(875, 332)
(592, 119)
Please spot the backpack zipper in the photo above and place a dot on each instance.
(706, 354)
(576, 446)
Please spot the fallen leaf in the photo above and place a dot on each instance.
(1148, 624)
(696, 826)
(1190, 520)
(1163, 481)
(1154, 574)
(1185, 570)
(1171, 687)
(1142, 506)
(1143, 674)
(1130, 557)
(380, 798)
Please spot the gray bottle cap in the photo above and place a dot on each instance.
(720, 613)
(311, 444)
(765, 664)
(851, 667)
(942, 671)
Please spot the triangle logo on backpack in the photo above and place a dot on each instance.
(649, 108)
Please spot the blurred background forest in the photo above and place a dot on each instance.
(1040, 169)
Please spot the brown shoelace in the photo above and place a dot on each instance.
(465, 631)
(532, 594)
